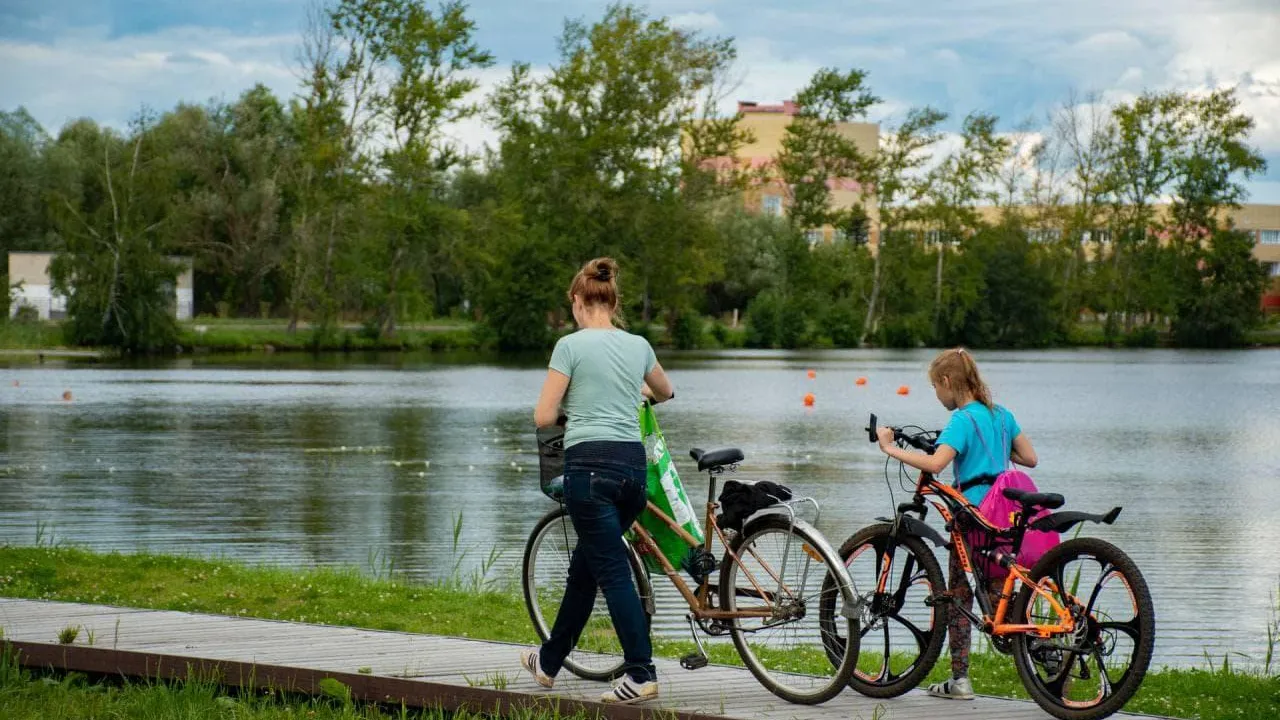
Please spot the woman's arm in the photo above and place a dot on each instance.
(553, 390)
(1023, 454)
(933, 464)
(658, 383)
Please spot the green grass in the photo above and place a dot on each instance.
(30, 336)
(244, 337)
(463, 609)
(25, 695)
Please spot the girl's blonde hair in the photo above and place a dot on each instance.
(958, 367)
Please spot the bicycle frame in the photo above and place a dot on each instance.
(700, 601)
(948, 501)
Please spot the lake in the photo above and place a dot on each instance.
(375, 462)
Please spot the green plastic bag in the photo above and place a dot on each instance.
(666, 493)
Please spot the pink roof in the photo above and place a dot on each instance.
(788, 107)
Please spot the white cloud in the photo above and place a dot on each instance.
(695, 21)
(88, 73)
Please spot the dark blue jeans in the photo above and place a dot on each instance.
(604, 490)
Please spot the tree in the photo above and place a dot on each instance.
(895, 175)
(1223, 298)
(595, 153)
(114, 270)
(956, 187)
(23, 223)
(816, 152)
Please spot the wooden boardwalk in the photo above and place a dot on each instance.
(419, 670)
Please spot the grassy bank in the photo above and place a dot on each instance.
(465, 610)
(25, 695)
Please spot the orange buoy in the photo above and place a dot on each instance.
(904, 390)
(66, 394)
(808, 399)
(15, 383)
(861, 381)
(812, 374)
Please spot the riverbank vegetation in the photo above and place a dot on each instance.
(486, 606)
(348, 203)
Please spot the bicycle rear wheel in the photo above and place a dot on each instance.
(1093, 672)
(781, 569)
(598, 655)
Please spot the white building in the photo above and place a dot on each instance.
(30, 286)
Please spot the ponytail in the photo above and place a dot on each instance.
(958, 366)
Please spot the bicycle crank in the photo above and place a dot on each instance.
(698, 658)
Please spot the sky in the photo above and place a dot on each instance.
(1018, 59)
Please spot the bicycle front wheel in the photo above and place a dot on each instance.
(777, 572)
(598, 655)
(902, 629)
(1093, 672)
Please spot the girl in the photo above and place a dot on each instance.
(979, 436)
(600, 372)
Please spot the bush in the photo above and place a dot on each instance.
(726, 337)
(26, 315)
(1146, 336)
(842, 325)
(764, 320)
(900, 333)
(686, 330)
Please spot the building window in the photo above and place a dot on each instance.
(813, 236)
(839, 236)
(1269, 237)
(1273, 270)
(1044, 235)
(772, 205)
(1100, 236)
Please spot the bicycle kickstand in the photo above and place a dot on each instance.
(694, 660)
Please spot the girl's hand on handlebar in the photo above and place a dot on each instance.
(885, 436)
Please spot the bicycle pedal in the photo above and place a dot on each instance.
(693, 661)
(941, 598)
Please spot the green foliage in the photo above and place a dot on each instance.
(686, 330)
(1222, 301)
(350, 206)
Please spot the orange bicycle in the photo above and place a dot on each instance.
(1079, 624)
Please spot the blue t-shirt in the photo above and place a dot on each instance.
(983, 441)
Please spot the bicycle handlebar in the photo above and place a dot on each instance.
(924, 441)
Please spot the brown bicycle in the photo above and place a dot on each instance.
(764, 593)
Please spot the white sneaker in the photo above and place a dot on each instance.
(954, 689)
(529, 661)
(629, 692)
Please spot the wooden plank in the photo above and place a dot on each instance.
(433, 670)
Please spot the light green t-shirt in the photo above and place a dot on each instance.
(605, 370)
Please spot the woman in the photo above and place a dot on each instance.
(600, 373)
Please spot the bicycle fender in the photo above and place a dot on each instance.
(852, 605)
(1060, 522)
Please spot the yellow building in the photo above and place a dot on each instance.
(768, 126)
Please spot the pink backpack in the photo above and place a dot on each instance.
(1000, 510)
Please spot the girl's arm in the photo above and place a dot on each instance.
(1023, 454)
(933, 464)
(553, 390)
